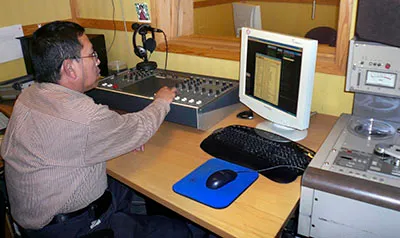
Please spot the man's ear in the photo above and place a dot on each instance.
(68, 69)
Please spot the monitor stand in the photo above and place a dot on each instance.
(287, 132)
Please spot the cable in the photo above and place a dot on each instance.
(115, 27)
(280, 166)
(178, 18)
(166, 50)
(272, 168)
(126, 30)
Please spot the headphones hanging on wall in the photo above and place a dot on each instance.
(148, 45)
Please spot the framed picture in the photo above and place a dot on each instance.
(142, 11)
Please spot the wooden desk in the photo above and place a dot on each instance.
(174, 152)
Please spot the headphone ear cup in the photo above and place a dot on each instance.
(150, 45)
(140, 51)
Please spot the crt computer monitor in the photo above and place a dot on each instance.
(276, 80)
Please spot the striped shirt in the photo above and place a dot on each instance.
(56, 147)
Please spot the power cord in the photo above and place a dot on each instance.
(272, 168)
(115, 26)
(125, 28)
(166, 50)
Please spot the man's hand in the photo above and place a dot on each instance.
(168, 94)
(139, 149)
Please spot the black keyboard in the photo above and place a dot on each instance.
(276, 158)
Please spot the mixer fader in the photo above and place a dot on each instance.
(201, 101)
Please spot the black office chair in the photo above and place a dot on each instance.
(2, 214)
(5, 213)
(324, 35)
(6, 218)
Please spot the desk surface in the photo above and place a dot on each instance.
(174, 152)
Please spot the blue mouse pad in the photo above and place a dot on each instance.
(193, 185)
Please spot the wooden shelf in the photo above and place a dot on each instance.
(228, 48)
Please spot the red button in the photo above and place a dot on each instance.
(115, 86)
(387, 66)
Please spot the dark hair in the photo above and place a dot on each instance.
(51, 45)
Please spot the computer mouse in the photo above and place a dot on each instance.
(245, 115)
(220, 178)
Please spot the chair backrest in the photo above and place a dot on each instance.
(2, 207)
(7, 222)
(323, 34)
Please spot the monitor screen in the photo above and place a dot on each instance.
(276, 80)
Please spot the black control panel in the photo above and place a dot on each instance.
(193, 90)
(197, 96)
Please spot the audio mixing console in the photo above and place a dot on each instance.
(201, 101)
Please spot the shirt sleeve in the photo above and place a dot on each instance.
(111, 134)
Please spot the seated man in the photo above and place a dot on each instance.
(58, 141)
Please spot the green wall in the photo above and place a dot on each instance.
(283, 17)
(328, 97)
(24, 12)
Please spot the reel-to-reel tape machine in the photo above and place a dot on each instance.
(366, 148)
(352, 186)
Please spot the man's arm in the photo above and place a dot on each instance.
(112, 134)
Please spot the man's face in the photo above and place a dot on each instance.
(89, 65)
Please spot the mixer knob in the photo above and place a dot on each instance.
(217, 82)
(224, 83)
(183, 86)
(217, 92)
(196, 89)
(203, 90)
(210, 91)
(190, 87)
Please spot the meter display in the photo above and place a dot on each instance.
(381, 79)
